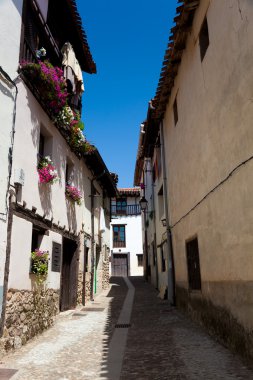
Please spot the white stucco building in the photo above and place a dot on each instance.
(66, 219)
(126, 236)
(9, 52)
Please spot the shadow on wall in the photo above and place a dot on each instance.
(5, 89)
(71, 215)
(33, 106)
(18, 4)
(45, 193)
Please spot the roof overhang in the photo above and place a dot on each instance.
(96, 165)
(172, 59)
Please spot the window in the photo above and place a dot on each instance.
(87, 260)
(69, 172)
(203, 39)
(45, 147)
(37, 235)
(192, 253)
(36, 34)
(119, 236)
(163, 264)
(154, 254)
(41, 145)
(140, 260)
(35, 239)
(175, 111)
(160, 202)
(159, 162)
(56, 257)
(121, 206)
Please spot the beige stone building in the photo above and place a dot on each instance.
(201, 118)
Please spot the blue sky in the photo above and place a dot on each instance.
(127, 40)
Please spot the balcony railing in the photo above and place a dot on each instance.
(28, 53)
(128, 210)
(119, 244)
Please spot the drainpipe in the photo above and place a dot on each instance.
(145, 231)
(171, 268)
(92, 195)
(154, 226)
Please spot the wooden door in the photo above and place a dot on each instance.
(120, 265)
(69, 275)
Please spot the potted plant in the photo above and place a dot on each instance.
(47, 171)
(39, 264)
(73, 194)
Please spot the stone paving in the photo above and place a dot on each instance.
(162, 344)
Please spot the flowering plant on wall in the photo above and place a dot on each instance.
(47, 171)
(65, 117)
(39, 264)
(49, 82)
(73, 194)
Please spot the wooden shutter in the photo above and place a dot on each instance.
(192, 252)
(56, 257)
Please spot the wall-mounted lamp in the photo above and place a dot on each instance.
(164, 222)
(143, 203)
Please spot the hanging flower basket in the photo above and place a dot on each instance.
(46, 170)
(73, 194)
(39, 263)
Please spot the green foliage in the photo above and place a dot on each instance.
(39, 264)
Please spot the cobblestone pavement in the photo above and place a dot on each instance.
(76, 347)
(162, 344)
(165, 344)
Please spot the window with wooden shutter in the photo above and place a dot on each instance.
(175, 111)
(193, 265)
(56, 257)
(203, 39)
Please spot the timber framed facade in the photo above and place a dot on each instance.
(55, 212)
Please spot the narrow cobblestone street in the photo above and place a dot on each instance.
(161, 343)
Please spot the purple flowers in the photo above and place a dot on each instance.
(73, 194)
(49, 82)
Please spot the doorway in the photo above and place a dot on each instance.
(120, 264)
(69, 275)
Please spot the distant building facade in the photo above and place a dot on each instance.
(126, 237)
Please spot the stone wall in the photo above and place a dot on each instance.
(218, 321)
(87, 286)
(80, 288)
(28, 313)
(106, 276)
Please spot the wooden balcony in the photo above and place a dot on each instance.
(119, 244)
(129, 210)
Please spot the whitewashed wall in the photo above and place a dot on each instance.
(49, 200)
(133, 240)
(10, 29)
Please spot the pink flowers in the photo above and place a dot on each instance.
(73, 194)
(50, 83)
(39, 264)
(46, 170)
